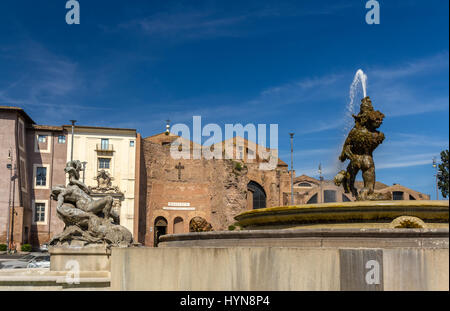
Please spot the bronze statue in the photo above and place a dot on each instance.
(362, 140)
(86, 219)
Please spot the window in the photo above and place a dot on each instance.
(42, 142)
(39, 212)
(304, 184)
(41, 176)
(131, 143)
(329, 196)
(105, 143)
(258, 195)
(397, 195)
(61, 139)
(241, 154)
(103, 163)
(42, 138)
(411, 197)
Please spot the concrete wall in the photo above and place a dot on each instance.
(281, 269)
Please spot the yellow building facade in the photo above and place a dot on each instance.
(109, 158)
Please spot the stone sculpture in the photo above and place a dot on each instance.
(362, 140)
(86, 219)
(199, 224)
(104, 183)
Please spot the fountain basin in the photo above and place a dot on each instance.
(359, 214)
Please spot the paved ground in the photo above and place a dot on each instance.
(10, 257)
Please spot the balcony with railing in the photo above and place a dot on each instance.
(105, 147)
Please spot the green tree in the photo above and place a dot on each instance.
(443, 174)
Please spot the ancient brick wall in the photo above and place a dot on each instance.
(216, 190)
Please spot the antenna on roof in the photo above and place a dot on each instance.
(320, 172)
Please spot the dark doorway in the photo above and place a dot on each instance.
(258, 194)
(312, 200)
(160, 229)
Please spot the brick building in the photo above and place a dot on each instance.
(173, 191)
(33, 155)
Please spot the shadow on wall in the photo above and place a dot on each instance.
(142, 195)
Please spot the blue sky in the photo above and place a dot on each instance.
(137, 63)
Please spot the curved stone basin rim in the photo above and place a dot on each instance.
(344, 212)
(305, 233)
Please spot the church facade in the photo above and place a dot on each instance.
(174, 191)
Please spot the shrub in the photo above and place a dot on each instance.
(238, 166)
(3, 247)
(25, 248)
(231, 227)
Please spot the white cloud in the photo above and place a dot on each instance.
(431, 64)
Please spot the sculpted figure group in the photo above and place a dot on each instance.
(86, 219)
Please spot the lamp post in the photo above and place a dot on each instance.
(436, 175)
(84, 168)
(8, 229)
(167, 127)
(320, 179)
(71, 149)
(292, 167)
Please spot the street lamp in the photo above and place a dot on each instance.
(320, 172)
(84, 168)
(320, 179)
(292, 167)
(167, 127)
(436, 175)
(9, 166)
(71, 150)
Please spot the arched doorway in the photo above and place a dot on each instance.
(256, 195)
(178, 224)
(313, 199)
(160, 229)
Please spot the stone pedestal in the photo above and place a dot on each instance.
(82, 258)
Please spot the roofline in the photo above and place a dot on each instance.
(19, 110)
(173, 135)
(98, 127)
(41, 127)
